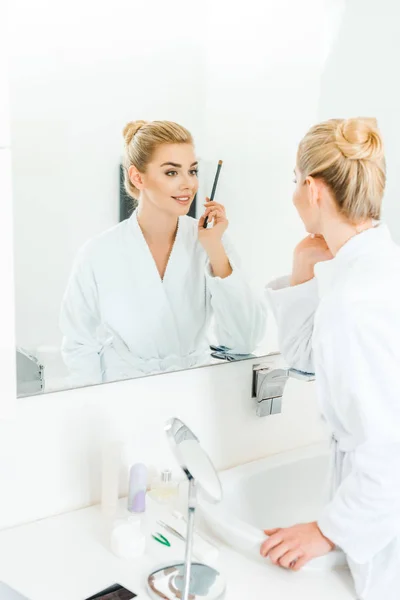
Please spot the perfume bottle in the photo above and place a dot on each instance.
(164, 489)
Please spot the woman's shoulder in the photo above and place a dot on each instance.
(369, 290)
(104, 242)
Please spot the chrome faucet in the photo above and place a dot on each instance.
(269, 381)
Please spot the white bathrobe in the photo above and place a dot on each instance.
(120, 320)
(344, 325)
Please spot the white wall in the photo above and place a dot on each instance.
(361, 79)
(4, 84)
(7, 337)
(50, 455)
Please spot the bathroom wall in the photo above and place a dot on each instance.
(7, 338)
(360, 80)
(50, 455)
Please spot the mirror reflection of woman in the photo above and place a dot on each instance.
(142, 295)
(338, 315)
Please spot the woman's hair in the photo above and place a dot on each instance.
(142, 138)
(347, 154)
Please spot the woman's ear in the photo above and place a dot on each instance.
(136, 177)
(314, 192)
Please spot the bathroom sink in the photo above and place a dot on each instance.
(276, 491)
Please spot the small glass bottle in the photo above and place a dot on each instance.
(164, 490)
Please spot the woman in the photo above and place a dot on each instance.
(339, 316)
(142, 295)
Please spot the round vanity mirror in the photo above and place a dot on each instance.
(193, 459)
(187, 580)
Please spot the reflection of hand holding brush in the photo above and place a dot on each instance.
(213, 190)
(211, 237)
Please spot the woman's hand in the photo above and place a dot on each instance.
(211, 238)
(293, 547)
(310, 251)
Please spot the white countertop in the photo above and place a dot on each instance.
(68, 558)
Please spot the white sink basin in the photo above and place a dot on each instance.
(277, 491)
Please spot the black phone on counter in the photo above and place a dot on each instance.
(114, 592)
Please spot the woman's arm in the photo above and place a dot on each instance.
(294, 300)
(219, 261)
(294, 309)
(240, 313)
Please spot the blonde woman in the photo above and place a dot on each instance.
(141, 295)
(339, 316)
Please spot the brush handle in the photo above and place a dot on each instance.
(215, 182)
(213, 191)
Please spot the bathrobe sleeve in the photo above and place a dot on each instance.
(360, 366)
(79, 321)
(240, 313)
(294, 308)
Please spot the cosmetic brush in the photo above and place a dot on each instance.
(213, 190)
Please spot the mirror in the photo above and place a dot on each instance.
(192, 459)
(189, 580)
(97, 298)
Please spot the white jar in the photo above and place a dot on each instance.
(127, 539)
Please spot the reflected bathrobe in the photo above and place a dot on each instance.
(344, 325)
(120, 320)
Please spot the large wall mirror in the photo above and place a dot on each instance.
(118, 281)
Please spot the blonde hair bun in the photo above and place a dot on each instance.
(359, 139)
(347, 154)
(131, 129)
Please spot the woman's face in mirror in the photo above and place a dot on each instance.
(171, 178)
